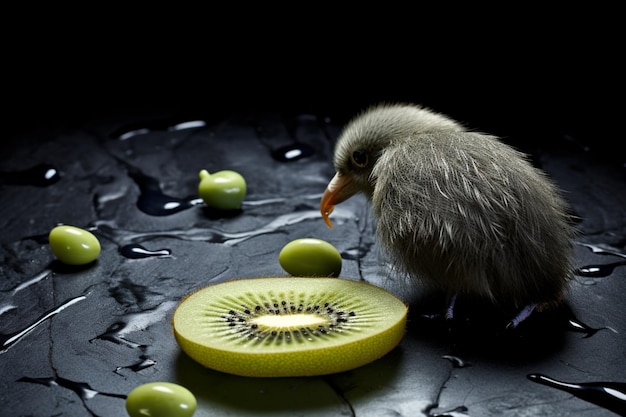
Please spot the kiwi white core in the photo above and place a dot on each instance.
(290, 322)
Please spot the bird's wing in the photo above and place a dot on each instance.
(440, 192)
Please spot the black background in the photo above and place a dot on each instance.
(525, 75)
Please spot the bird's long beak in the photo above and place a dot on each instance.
(339, 189)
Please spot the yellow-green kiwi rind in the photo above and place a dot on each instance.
(212, 327)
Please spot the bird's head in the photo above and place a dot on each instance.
(356, 152)
(354, 166)
(363, 140)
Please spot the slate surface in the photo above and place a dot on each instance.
(76, 341)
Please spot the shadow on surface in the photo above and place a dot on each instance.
(479, 328)
(277, 396)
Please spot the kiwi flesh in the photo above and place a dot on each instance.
(288, 326)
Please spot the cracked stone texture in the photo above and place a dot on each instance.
(100, 331)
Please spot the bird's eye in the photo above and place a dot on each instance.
(359, 158)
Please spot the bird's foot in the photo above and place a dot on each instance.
(521, 316)
(450, 310)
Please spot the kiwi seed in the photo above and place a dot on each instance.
(285, 326)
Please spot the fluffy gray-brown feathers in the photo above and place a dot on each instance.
(462, 211)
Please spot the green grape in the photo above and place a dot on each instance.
(74, 246)
(310, 257)
(160, 399)
(224, 190)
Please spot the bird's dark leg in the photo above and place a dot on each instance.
(450, 310)
(521, 316)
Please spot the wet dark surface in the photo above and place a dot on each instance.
(75, 341)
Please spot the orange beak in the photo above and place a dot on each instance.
(339, 189)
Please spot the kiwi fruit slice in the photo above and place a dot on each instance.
(288, 326)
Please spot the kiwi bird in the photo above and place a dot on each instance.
(462, 211)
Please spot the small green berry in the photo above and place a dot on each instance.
(73, 245)
(310, 257)
(224, 190)
(160, 399)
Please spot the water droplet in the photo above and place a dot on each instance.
(41, 175)
(130, 131)
(460, 411)
(598, 271)
(578, 326)
(124, 237)
(456, 361)
(113, 334)
(139, 321)
(153, 201)
(602, 249)
(8, 340)
(294, 152)
(136, 251)
(357, 253)
(141, 365)
(609, 395)
(82, 389)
